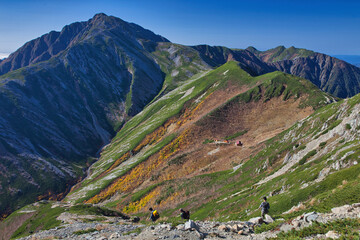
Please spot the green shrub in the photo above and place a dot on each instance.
(307, 156)
(235, 135)
(268, 227)
(208, 141)
(322, 144)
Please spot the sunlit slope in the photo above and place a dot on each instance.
(179, 122)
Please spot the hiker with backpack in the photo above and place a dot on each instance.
(265, 206)
(184, 214)
(154, 215)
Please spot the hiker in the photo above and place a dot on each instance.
(154, 215)
(265, 206)
(184, 214)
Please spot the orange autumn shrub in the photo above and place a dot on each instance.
(138, 205)
(141, 172)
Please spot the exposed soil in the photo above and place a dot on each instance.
(261, 121)
(8, 228)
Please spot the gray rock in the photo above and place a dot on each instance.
(268, 219)
(296, 223)
(180, 227)
(114, 236)
(332, 234)
(191, 224)
(249, 223)
(356, 205)
(223, 228)
(342, 209)
(235, 228)
(311, 217)
(102, 238)
(286, 227)
(200, 235)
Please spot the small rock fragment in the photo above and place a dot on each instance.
(332, 234)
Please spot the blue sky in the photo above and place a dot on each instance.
(326, 26)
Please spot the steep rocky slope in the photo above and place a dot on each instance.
(56, 114)
(42, 48)
(330, 74)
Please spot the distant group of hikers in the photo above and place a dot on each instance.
(155, 214)
(265, 206)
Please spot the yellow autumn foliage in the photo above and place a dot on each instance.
(142, 171)
(138, 205)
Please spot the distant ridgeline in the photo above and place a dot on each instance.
(65, 95)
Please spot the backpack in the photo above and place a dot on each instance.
(267, 206)
(156, 214)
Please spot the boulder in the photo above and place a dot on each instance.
(332, 235)
(268, 219)
(115, 236)
(296, 223)
(248, 223)
(356, 205)
(247, 231)
(311, 217)
(223, 228)
(135, 219)
(241, 226)
(286, 227)
(191, 225)
(180, 227)
(342, 209)
(166, 226)
(235, 228)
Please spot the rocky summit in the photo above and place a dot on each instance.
(113, 119)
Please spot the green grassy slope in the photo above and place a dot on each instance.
(152, 117)
(155, 115)
(314, 164)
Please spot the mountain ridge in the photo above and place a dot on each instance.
(66, 101)
(328, 73)
(53, 43)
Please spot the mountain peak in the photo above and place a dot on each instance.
(100, 15)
